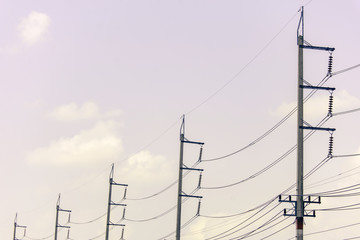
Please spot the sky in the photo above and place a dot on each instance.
(88, 84)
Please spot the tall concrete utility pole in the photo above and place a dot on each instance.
(300, 207)
(181, 162)
(57, 225)
(300, 135)
(111, 203)
(182, 167)
(18, 226)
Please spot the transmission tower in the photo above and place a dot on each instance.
(111, 203)
(18, 226)
(182, 167)
(58, 210)
(301, 202)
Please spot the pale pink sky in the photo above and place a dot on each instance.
(85, 84)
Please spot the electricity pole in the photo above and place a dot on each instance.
(57, 225)
(181, 162)
(17, 226)
(300, 212)
(181, 168)
(111, 203)
(300, 135)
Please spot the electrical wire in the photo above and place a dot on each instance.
(244, 67)
(228, 222)
(260, 230)
(341, 208)
(43, 238)
(90, 221)
(182, 226)
(325, 181)
(332, 229)
(164, 213)
(345, 70)
(166, 188)
(348, 155)
(347, 112)
(292, 149)
(272, 129)
(338, 191)
(242, 213)
(280, 230)
(226, 233)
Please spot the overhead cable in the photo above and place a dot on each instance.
(245, 66)
(292, 149)
(272, 129)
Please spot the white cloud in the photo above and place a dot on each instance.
(344, 101)
(33, 28)
(317, 106)
(96, 145)
(283, 109)
(73, 112)
(145, 167)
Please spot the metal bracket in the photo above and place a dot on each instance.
(318, 48)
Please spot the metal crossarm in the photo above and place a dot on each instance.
(318, 88)
(192, 142)
(193, 169)
(318, 48)
(318, 128)
(190, 196)
(116, 224)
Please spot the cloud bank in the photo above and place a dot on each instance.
(89, 147)
(74, 112)
(33, 28)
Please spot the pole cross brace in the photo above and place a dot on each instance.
(310, 213)
(291, 214)
(316, 199)
(318, 88)
(117, 204)
(318, 128)
(116, 224)
(192, 142)
(318, 48)
(119, 184)
(19, 226)
(193, 169)
(63, 210)
(287, 199)
(190, 196)
(63, 226)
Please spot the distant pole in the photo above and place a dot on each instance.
(57, 217)
(181, 161)
(109, 203)
(57, 225)
(300, 137)
(15, 226)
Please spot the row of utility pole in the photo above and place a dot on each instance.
(60, 210)
(299, 201)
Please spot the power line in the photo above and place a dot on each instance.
(230, 231)
(332, 229)
(277, 125)
(293, 148)
(160, 215)
(244, 67)
(347, 112)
